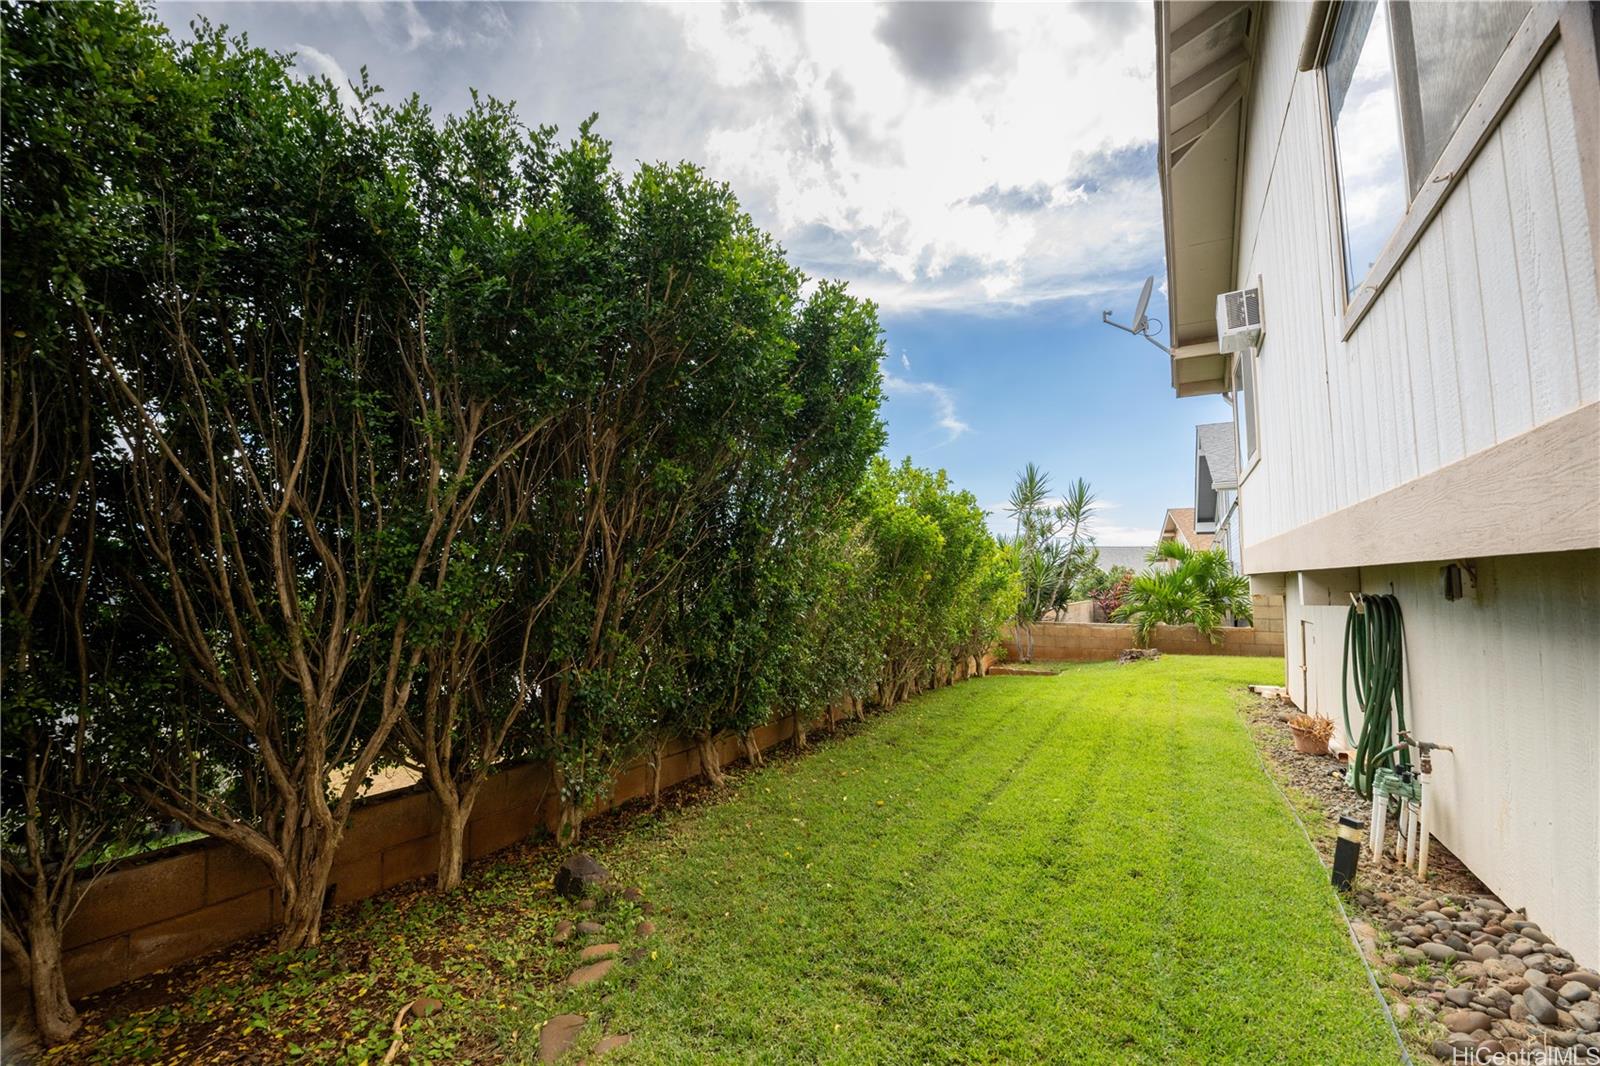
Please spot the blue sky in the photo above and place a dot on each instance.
(1053, 385)
(985, 173)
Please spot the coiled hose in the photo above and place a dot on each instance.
(1374, 657)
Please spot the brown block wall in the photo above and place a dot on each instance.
(192, 899)
(1101, 641)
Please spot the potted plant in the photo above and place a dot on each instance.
(1311, 733)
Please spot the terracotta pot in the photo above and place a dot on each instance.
(1307, 743)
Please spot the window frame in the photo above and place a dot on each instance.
(1538, 32)
(1247, 443)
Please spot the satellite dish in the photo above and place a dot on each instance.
(1139, 321)
(1141, 324)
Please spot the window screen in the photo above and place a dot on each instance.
(1445, 53)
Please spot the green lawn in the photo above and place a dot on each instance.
(1087, 867)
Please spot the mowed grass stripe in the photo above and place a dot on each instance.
(1088, 867)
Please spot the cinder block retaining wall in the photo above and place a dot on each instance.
(194, 898)
(1099, 641)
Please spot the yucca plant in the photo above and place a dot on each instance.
(1052, 546)
(1201, 590)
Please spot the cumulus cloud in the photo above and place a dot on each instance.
(940, 43)
(320, 64)
(953, 156)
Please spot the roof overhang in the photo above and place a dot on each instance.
(1204, 54)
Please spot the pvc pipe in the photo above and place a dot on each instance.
(1422, 801)
(1416, 822)
(1380, 814)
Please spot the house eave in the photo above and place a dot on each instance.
(1203, 68)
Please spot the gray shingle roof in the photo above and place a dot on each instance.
(1214, 440)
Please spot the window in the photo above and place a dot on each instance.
(1244, 401)
(1400, 77)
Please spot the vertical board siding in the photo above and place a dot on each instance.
(1490, 326)
(1577, 249)
(1509, 681)
(1510, 371)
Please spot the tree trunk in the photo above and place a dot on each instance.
(655, 776)
(570, 827)
(799, 731)
(53, 1012)
(302, 908)
(452, 843)
(709, 764)
(752, 750)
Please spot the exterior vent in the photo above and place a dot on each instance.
(1239, 320)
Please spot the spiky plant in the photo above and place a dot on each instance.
(1201, 590)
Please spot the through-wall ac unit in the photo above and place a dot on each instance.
(1239, 320)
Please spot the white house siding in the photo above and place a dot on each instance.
(1490, 327)
(1511, 681)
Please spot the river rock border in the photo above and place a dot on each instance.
(1467, 978)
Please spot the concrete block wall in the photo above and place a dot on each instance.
(1268, 609)
(1101, 641)
(192, 899)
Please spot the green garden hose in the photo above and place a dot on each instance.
(1374, 657)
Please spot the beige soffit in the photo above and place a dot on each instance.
(1203, 63)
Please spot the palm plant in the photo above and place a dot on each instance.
(1201, 590)
(1051, 543)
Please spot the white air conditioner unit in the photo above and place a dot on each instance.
(1239, 320)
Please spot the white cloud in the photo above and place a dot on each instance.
(905, 360)
(1106, 533)
(981, 159)
(940, 398)
(1001, 186)
(321, 63)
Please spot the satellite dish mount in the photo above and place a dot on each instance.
(1141, 322)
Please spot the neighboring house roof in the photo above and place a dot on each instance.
(1179, 526)
(1133, 556)
(1215, 443)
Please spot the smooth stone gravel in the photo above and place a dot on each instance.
(1466, 1021)
(598, 951)
(1539, 1007)
(1438, 952)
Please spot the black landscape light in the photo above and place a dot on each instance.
(1346, 852)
